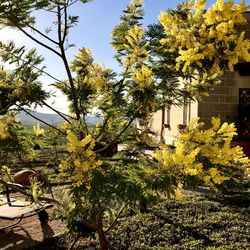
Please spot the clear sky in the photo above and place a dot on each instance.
(96, 21)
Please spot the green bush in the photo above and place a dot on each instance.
(195, 223)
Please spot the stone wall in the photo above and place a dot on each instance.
(223, 101)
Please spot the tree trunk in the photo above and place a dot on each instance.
(102, 239)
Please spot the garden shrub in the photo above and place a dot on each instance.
(193, 223)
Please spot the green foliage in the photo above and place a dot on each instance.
(16, 89)
(132, 16)
(18, 14)
(167, 77)
(12, 141)
(194, 223)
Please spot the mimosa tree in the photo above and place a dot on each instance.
(187, 43)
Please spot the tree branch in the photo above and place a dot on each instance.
(58, 112)
(114, 140)
(28, 113)
(42, 34)
(22, 191)
(66, 65)
(35, 67)
(69, 116)
(37, 41)
(103, 127)
(65, 24)
(72, 3)
(116, 218)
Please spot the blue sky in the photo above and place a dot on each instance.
(96, 21)
(99, 17)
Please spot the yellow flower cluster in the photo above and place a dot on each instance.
(8, 124)
(142, 76)
(97, 76)
(16, 87)
(206, 40)
(4, 133)
(181, 162)
(137, 52)
(37, 130)
(206, 154)
(81, 162)
(89, 73)
(137, 56)
(85, 57)
(132, 5)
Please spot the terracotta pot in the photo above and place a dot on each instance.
(24, 177)
(166, 125)
(181, 127)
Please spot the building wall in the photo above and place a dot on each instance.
(223, 101)
(172, 120)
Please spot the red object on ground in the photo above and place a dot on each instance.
(24, 177)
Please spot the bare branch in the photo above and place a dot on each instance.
(103, 127)
(35, 67)
(65, 24)
(29, 113)
(58, 112)
(37, 41)
(72, 3)
(115, 139)
(116, 218)
(42, 34)
(22, 191)
(66, 65)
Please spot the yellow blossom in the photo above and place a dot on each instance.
(200, 39)
(81, 162)
(203, 153)
(137, 51)
(142, 76)
(37, 130)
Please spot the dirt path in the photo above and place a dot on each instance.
(28, 232)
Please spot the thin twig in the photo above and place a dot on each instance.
(58, 112)
(27, 112)
(66, 65)
(116, 218)
(74, 242)
(65, 24)
(72, 3)
(69, 116)
(35, 67)
(37, 41)
(22, 191)
(42, 34)
(114, 140)
(103, 127)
